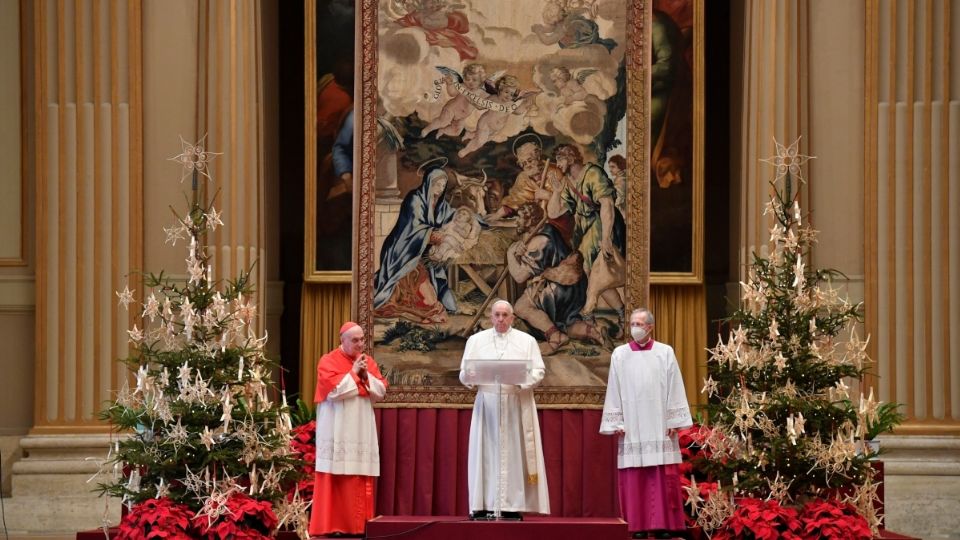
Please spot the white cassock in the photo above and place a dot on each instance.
(523, 479)
(645, 397)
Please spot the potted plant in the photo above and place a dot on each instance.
(888, 416)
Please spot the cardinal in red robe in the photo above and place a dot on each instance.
(349, 382)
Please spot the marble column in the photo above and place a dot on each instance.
(103, 187)
(83, 69)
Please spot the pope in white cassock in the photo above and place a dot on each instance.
(646, 406)
(523, 480)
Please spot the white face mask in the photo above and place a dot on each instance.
(638, 333)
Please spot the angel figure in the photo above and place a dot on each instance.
(507, 100)
(444, 24)
(466, 92)
(570, 24)
(570, 84)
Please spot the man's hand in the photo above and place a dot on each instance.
(360, 366)
(671, 432)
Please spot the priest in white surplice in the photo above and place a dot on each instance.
(646, 405)
(523, 477)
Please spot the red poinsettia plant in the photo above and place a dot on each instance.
(755, 519)
(156, 518)
(693, 452)
(303, 441)
(246, 519)
(833, 519)
(695, 456)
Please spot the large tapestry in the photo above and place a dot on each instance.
(506, 141)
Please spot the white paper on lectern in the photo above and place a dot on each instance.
(477, 372)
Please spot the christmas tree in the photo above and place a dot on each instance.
(205, 450)
(784, 441)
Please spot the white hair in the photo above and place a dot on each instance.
(503, 302)
(648, 319)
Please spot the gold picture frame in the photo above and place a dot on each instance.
(329, 223)
(409, 390)
(677, 160)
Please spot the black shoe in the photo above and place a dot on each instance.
(512, 516)
(664, 535)
(480, 515)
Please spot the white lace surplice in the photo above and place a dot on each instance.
(347, 430)
(645, 397)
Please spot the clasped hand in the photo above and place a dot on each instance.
(360, 365)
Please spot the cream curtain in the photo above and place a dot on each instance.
(681, 322)
(323, 308)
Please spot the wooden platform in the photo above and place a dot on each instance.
(531, 528)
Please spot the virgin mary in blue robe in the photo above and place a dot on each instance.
(422, 212)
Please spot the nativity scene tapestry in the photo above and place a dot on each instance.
(504, 141)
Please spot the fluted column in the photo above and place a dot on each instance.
(86, 78)
(773, 104)
(83, 73)
(912, 199)
(230, 112)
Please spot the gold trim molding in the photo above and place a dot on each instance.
(457, 397)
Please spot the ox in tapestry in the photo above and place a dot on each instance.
(501, 174)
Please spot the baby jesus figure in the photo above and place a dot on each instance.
(459, 235)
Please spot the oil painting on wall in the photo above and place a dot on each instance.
(676, 120)
(329, 191)
(504, 157)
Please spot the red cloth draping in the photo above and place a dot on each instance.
(423, 462)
